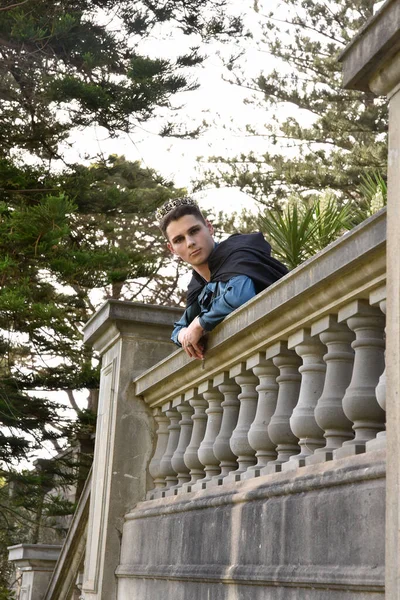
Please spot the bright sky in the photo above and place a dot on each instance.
(216, 101)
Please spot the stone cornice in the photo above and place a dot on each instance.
(116, 316)
(374, 45)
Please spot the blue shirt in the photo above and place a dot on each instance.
(215, 302)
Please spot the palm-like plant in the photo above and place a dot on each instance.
(330, 220)
(373, 188)
(300, 230)
(290, 232)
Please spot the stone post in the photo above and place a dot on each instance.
(191, 456)
(372, 62)
(214, 412)
(130, 338)
(36, 562)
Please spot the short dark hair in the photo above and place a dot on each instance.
(177, 213)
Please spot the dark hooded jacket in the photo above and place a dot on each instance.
(241, 254)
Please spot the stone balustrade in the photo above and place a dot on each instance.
(294, 377)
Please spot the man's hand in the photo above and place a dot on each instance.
(190, 337)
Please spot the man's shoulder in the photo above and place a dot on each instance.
(239, 241)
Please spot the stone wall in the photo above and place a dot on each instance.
(315, 534)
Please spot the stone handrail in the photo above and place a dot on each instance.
(65, 577)
(293, 377)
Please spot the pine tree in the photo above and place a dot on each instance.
(74, 63)
(332, 136)
(64, 66)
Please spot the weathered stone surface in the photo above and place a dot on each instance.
(372, 47)
(305, 534)
(130, 338)
(69, 566)
(393, 353)
(36, 563)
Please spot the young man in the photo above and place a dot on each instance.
(225, 275)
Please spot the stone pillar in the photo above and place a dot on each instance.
(302, 422)
(36, 562)
(166, 469)
(279, 430)
(130, 338)
(267, 390)
(191, 456)
(206, 454)
(339, 361)
(186, 426)
(392, 580)
(230, 407)
(378, 298)
(162, 442)
(359, 402)
(372, 62)
(248, 407)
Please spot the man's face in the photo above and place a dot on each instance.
(191, 240)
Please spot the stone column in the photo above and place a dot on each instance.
(302, 422)
(267, 390)
(186, 426)
(359, 402)
(339, 361)
(279, 430)
(130, 338)
(36, 562)
(166, 468)
(191, 456)
(206, 454)
(393, 347)
(162, 441)
(378, 298)
(372, 62)
(230, 407)
(248, 407)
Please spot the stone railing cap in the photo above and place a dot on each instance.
(42, 552)
(133, 312)
(376, 42)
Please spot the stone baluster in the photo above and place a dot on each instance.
(161, 447)
(359, 403)
(288, 381)
(206, 454)
(267, 390)
(302, 421)
(177, 461)
(248, 405)
(166, 469)
(339, 361)
(230, 407)
(378, 298)
(191, 456)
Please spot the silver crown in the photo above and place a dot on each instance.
(172, 204)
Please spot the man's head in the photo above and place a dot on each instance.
(189, 234)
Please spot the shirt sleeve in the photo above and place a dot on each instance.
(190, 313)
(234, 293)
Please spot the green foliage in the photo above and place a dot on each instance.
(76, 63)
(374, 194)
(318, 135)
(71, 239)
(290, 232)
(97, 232)
(304, 227)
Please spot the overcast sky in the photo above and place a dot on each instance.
(216, 101)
